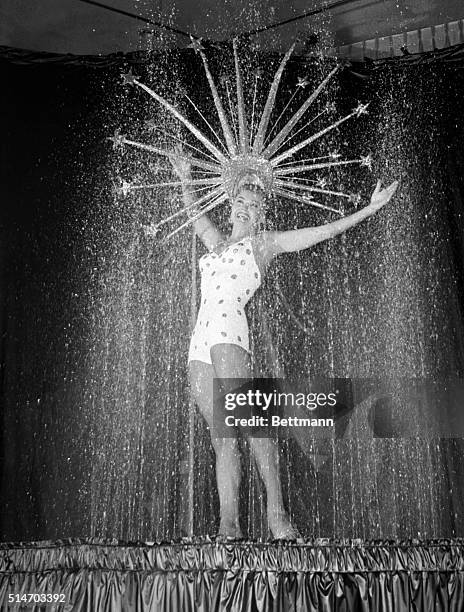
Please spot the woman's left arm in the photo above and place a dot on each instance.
(299, 239)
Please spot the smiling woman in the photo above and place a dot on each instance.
(231, 272)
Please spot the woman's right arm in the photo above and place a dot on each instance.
(205, 229)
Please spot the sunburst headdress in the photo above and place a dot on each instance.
(247, 152)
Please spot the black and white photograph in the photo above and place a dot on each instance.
(232, 306)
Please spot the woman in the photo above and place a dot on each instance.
(230, 273)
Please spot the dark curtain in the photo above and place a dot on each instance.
(94, 407)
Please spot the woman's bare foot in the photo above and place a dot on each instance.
(282, 528)
(229, 529)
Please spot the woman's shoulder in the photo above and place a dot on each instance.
(265, 248)
(265, 241)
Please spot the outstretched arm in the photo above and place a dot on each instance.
(296, 240)
(205, 229)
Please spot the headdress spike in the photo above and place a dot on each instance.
(294, 196)
(193, 205)
(231, 145)
(264, 122)
(309, 140)
(307, 167)
(193, 160)
(276, 142)
(195, 131)
(242, 122)
(307, 188)
(218, 199)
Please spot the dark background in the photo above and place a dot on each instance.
(60, 228)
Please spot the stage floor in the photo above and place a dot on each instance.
(93, 574)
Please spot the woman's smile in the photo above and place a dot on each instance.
(242, 215)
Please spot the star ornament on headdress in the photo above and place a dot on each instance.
(255, 151)
(355, 198)
(302, 82)
(361, 109)
(195, 44)
(125, 188)
(128, 78)
(366, 160)
(117, 139)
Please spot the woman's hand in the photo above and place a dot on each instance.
(299, 239)
(181, 166)
(381, 196)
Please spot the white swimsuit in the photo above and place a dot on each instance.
(228, 281)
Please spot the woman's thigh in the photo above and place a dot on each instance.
(231, 361)
(201, 377)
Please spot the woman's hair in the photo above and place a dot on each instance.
(253, 187)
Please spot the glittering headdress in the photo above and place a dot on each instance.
(248, 154)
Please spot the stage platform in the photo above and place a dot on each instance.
(203, 575)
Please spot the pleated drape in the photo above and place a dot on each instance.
(203, 575)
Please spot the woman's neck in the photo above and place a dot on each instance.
(239, 233)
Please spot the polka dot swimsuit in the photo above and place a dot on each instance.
(228, 281)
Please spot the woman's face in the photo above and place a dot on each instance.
(247, 209)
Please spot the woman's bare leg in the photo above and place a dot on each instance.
(267, 459)
(226, 450)
(231, 362)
